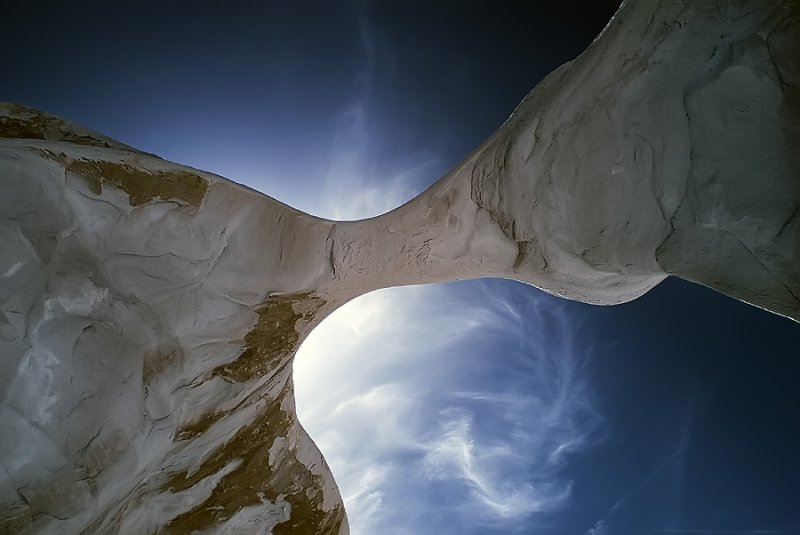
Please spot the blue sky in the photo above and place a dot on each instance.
(476, 407)
(450, 408)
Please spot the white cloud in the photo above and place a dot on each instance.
(454, 455)
(467, 389)
(357, 185)
(600, 528)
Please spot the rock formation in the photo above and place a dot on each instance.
(149, 312)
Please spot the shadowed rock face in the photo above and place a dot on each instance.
(149, 312)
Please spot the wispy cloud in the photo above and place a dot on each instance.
(358, 184)
(600, 528)
(459, 402)
(456, 456)
(674, 462)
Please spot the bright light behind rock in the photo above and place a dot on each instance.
(468, 394)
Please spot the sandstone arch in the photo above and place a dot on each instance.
(150, 311)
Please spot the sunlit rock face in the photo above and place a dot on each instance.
(147, 342)
(149, 312)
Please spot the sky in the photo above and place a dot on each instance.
(476, 407)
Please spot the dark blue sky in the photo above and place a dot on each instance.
(676, 413)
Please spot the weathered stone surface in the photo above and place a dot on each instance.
(149, 312)
(147, 346)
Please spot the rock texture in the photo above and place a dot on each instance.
(149, 312)
(147, 343)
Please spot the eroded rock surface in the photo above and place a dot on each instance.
(147, 349)
(149, 312)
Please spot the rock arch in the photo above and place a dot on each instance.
(149, 312)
